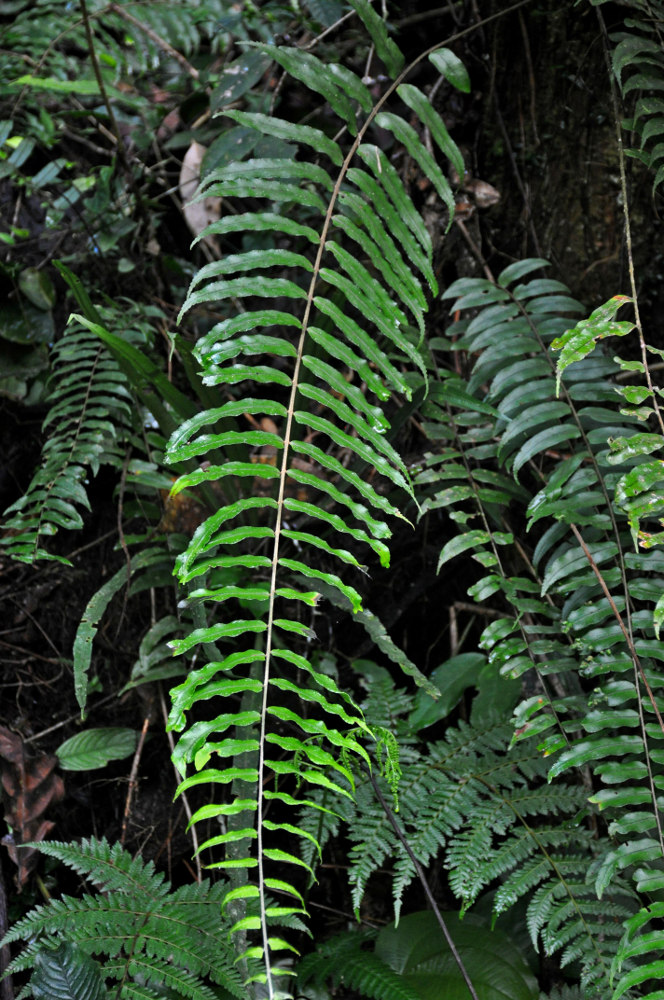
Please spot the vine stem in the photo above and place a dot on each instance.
(425, 885)
(288, 430)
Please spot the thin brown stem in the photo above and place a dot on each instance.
(102, 86)
(424, 883)
(132, 778)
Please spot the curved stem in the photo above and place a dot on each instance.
(425, 885)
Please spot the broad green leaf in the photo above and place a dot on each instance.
(94, 610)
(340, 525)
(258, 222)
(544, 440)
(364, 342)
(377, 528)
(513, 272)
(461, 543)
(590, 750)
(257, 285)
(316, 76)
(283, 857)
(268, 169)
(350, 82)
(451, 679)
(406, 134)
(331, 579)
(94, 748)
(454, 71)
(378, 257)
(624, 449)
(397, 217)
(380, 636)
(275, 191)
(215, 632)
(390, 182)
(55, 86)
(365, 451)
(215, 472)
(250, 261)
(531, 417)
(416, 950)
(336, 348)
(373, 433)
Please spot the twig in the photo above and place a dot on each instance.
(324, 34)
(425, 885)
(91, 545)
(517, 177)
(102, 86)
(72, 718)
(132, 777)
(474, 249)
(531, 77)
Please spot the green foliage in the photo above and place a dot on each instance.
(311, 398)
(67, 973)
(582, 610)
(487, 813)
(637, 60)
(152, 937)
(88, 420)
(411, 961)
(95, 748)
(310, 334)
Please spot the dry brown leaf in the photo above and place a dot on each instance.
(198, 214)
(29, 787)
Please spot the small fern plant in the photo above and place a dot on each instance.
(153, 938)
(90, 416)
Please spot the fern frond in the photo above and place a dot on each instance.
(89, 414)
(344, 962)
(563, 622)
(147, 932)
(352, 314)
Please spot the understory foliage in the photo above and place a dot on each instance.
(537, 800)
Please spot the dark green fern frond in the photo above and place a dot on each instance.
(89, 414)
(637, 58)
(145, 931)
(560, 423)
(346, 962)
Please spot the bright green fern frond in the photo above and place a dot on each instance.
(327, 330)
